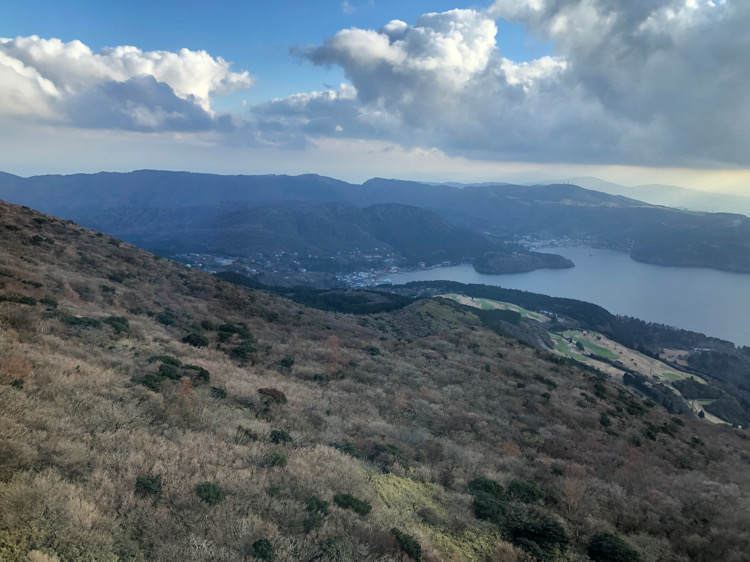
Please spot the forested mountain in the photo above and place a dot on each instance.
(152, 412)
(651, 233)
(412, 233)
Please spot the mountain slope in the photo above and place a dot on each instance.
(311, 228)
(151, 412)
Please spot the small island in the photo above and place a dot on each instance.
(496, 263)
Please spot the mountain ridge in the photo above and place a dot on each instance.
(650, 233)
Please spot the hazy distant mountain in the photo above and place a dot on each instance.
(672, 196)
(70, 195)
(654, 234)
(74, 194)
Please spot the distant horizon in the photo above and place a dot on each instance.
(541, 181)
(445, 90)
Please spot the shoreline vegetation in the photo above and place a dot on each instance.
(498, 263)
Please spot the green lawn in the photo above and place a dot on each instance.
(489, 304)
(591, 346)
(564, 347)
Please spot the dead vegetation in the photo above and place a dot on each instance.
(227, 456)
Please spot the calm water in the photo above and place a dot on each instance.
(703, 300)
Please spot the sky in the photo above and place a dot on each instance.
(504, 90)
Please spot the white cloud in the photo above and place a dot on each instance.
(663, 82)
(45, 78)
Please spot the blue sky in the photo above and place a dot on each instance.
(254, 36)
(501, 90)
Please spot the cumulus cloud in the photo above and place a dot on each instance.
(119, 87)
(661, 82)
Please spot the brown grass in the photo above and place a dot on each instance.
(77, 434)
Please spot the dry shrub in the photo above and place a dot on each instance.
(511, 449)
(574, 487)
(506, 552)
(22, 319)
(16, 367)
(39, 556)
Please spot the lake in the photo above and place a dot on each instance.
(715, 303)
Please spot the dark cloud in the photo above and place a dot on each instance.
(657, 82)
(140, 104)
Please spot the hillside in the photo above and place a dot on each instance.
(320, 229)
(722, 368)
(151, 412)
(653, 234)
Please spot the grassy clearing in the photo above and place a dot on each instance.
(489, 304)
(579, 337)
(563, 346)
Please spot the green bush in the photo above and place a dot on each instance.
(197, 374)
(196, 340)
(274, 460)
(347, 501)
(490, 508)
(347, 447)
(280, 437)
(17, 384)
(486, 486)
(118, 276)
(263, 550)
(316, 505)
(538, 534)
(286, 362)
(168, 359)
(385, 455)
(230, 329)
(243, 352)
(317, 509)
(408, 544)
(210, 493)
(490, 502)
(148, 486)
(167, 318)
(82, 322)
(150, 381)
(606, 547)
(218, 392)
(118, 323)
(523, 491)
(169, 371)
